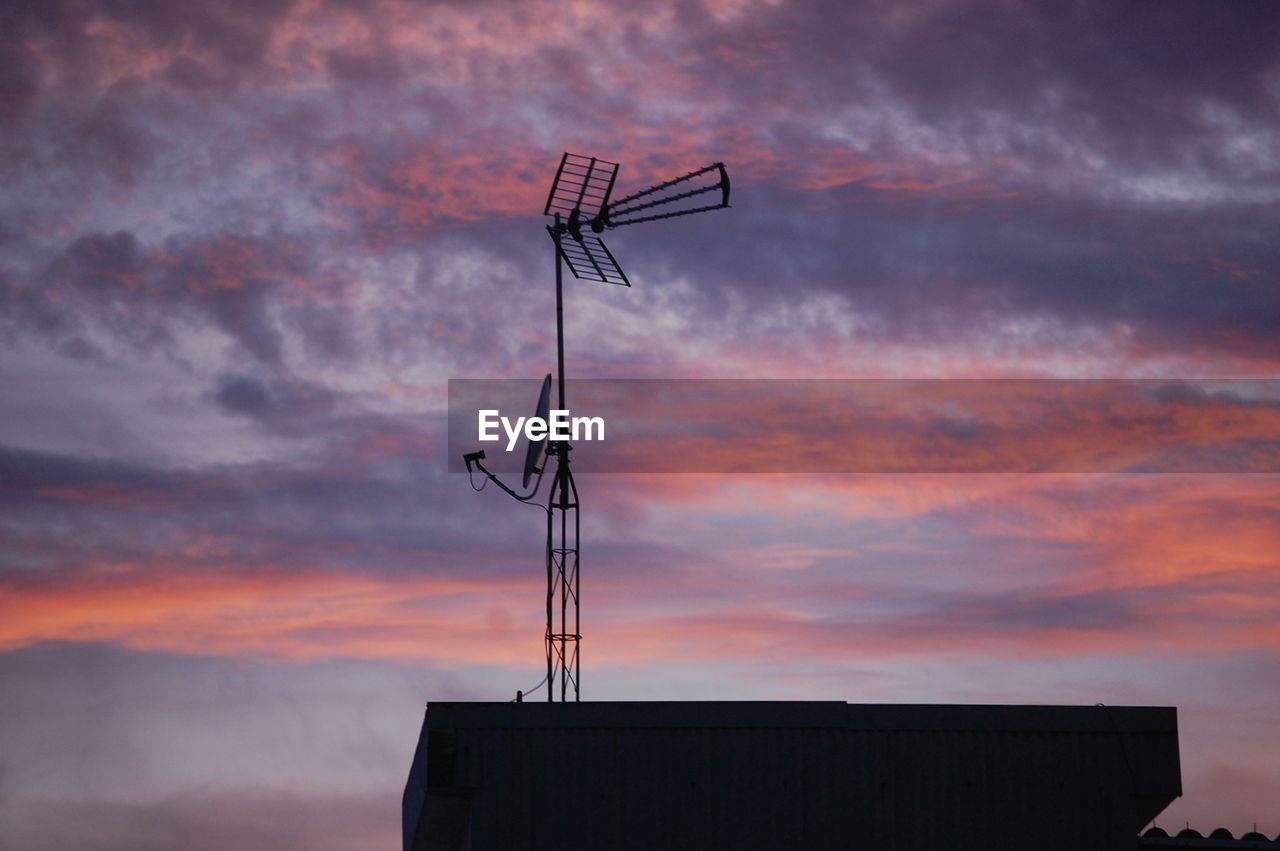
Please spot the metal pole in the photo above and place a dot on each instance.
(550, 590)
(558, 482)
(559, 316)
(563, 473)
(577, 602)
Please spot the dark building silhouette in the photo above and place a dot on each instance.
(780, 775)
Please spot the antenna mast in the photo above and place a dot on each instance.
(580, 195)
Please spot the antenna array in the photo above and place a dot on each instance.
(580, 195)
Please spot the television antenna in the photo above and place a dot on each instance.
(580, 197)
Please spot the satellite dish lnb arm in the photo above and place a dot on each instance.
(474, 459)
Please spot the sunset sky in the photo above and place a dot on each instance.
(244, 246)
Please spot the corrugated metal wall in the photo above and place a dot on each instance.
(803, 775)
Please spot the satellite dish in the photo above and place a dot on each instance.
(537, 448)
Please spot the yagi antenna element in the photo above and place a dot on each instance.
(683, 196)
(581, 187)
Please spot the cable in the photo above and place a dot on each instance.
(521, 694)
(525, 498)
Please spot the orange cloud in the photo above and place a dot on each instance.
(1144, 563)
(274, 613)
